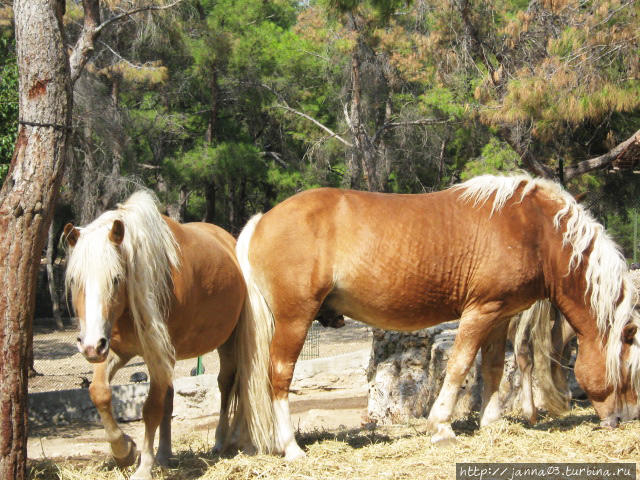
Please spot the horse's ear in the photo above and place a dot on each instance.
(116, 235)
(71, 234)
(629, 333)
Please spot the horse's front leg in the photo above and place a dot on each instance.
(164, 440)
(123, 447)
(492, 368)
(152, 414)
(472, 332)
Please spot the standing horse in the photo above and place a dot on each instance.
(481, 251)
(143, 284)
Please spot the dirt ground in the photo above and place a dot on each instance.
(60, 366)
(331, 401)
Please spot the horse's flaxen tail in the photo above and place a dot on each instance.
(535, 323)
(251, 404)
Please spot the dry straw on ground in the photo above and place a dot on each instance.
(397, 452)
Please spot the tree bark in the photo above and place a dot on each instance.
(26, 205)
(210, 201)
(585, 166)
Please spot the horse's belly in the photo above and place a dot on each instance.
(400, 313)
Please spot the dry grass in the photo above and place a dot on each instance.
(398, 452)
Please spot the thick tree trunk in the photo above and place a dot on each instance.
(26, 204)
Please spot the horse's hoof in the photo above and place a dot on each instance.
(293, 452)
(142, 474)
(444, 436)
(130, 458)
(531, 415)
(162, 458)
(218, 448)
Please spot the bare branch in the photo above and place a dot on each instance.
(91, 29)
(315, 122)
(134, 11)
(601, 161)
(409, 123)
(86, 43)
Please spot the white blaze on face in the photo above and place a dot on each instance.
(95, 325)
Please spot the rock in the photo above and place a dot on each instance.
(138, 377)
(406, 372)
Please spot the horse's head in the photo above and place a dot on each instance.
(614, 401)
(96, 277)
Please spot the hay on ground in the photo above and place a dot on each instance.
(396, 452)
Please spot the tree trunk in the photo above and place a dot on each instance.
(365, 152)
(27, 199)
(51, 279)
(210, 202)
(210, 188)
(213, 109)
(406, 372)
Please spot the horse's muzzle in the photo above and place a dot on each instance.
(94, 353)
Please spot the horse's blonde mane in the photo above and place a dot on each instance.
(144, 259)
(613, 297)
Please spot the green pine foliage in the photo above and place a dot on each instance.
(216, 96)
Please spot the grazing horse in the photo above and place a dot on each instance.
(143, 284)
(480, 251)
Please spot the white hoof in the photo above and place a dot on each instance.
(146, 475)
(444, 436)
(293, 452)
(489, 418)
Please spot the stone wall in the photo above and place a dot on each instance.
(406, 372)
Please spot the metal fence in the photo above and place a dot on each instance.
(59, 365)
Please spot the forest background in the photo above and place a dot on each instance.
(226, 107)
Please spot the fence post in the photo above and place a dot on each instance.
(199, 367)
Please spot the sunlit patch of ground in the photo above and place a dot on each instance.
(396, 452)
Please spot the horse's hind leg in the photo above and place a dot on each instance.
(123, 447)
(226, 377)
(472, 332)
(524, 359)
(492, 367)
(288, 339)
(164, 440)
(561, 335)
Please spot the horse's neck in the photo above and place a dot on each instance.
(566, 283)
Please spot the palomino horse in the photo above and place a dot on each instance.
(144, 284)
(481, 251)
